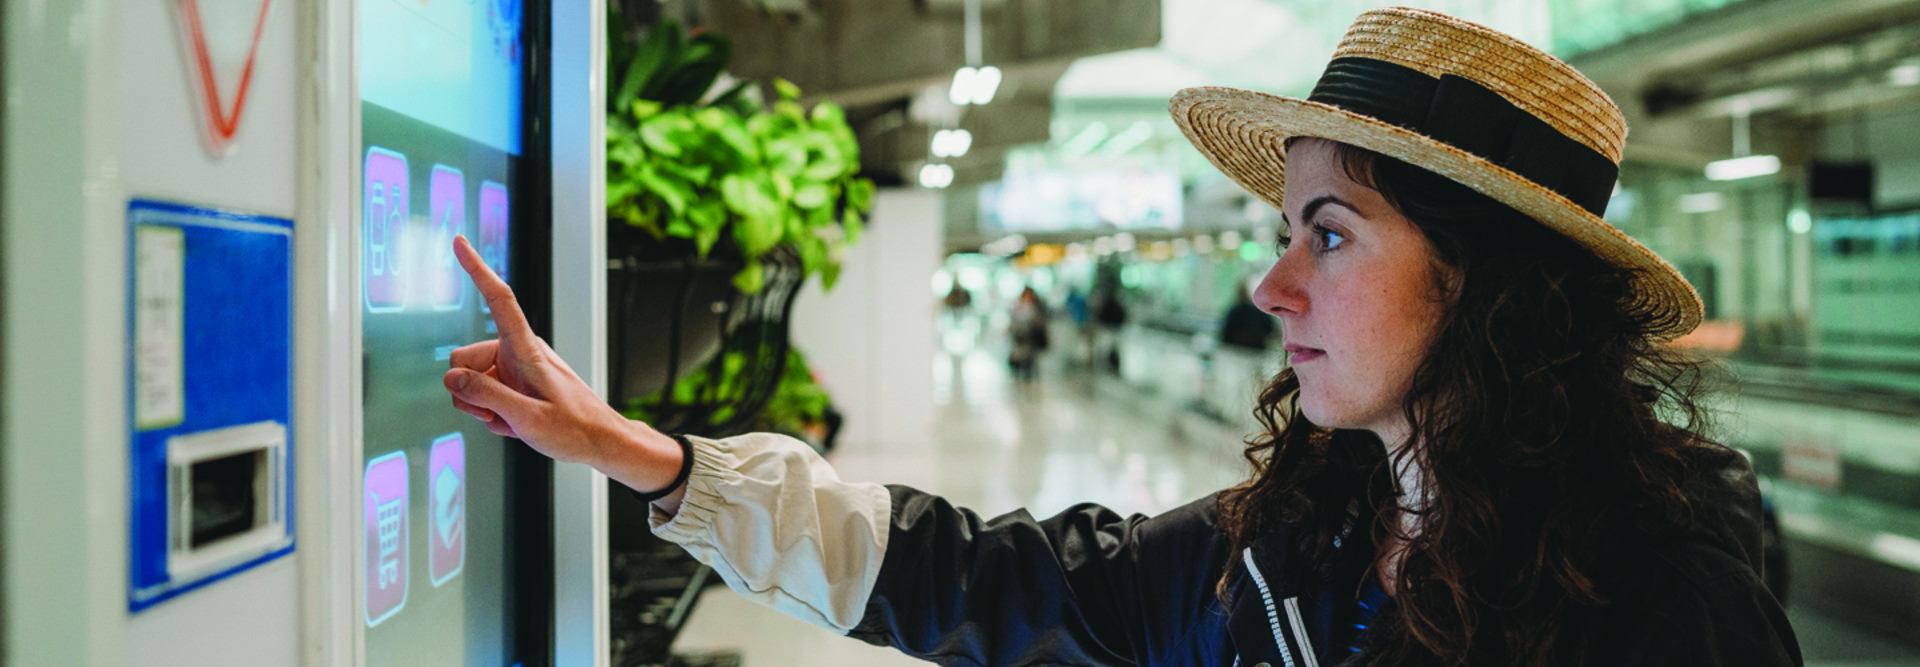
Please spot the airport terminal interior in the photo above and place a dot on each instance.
(957, 245)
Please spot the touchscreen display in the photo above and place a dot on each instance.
(441, 126)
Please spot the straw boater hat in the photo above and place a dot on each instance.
(1462, 101)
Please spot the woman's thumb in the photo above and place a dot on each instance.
(483, 391)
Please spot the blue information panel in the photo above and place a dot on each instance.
(209, 367)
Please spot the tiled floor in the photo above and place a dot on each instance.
(1064, 439)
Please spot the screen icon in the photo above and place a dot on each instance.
(386, 526)
(447, 204)
(383, 225)
(446, 479)
(493, 229)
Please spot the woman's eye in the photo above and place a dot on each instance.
(1329, 239)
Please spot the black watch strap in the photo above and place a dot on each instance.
(686, 468)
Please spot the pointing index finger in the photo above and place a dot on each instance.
(506, 309)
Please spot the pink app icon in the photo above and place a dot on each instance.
(386, 525)
(383, 230)
(447, 204)
(447, 492)
(493, 229)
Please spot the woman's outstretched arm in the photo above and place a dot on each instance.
(889, 565)
(522, 389)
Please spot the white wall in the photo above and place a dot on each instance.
(99, 111)
(871, 339)
(64, 468)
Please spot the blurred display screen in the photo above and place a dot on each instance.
(441, 109)
(1065, 200)
(453, 64)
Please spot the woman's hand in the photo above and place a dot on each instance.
(522, 389)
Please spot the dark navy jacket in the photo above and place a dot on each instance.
(1089, 587)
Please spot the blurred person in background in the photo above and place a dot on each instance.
(1081, 315)
(1480, 452)
(1111, 316)
(958, 298)
(1027, 333)
(1246, 326)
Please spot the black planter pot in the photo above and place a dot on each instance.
(673, 314)
(668, 309)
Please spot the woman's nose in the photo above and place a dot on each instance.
(1279, 292)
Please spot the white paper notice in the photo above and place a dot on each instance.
(159, 335)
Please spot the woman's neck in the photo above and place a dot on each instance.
(1411, 480)
(1408, 468)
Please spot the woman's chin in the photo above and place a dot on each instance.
(1315, 411)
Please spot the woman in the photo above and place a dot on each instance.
(1466, 460)
(1027, 334)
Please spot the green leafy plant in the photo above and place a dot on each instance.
(729, 169)
(797, 402)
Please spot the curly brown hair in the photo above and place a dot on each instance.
(1550, 428)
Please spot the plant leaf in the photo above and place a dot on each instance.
(790, 110)
(828, 113)
(787, 90)
(829, 275)
(811, 196)
(710, 118)
(661, 46)
(813, 254)
(668, 188)
(667, 41)
(734, 135)
(750, 279)
(708, 214)
(860, 194)
(618, 190)
(704, 238)
(655, 133)
(782, 187)
(644, 109)
(854, 226)
(626, 153)
(728, 98)
(690, 78)
(827, 165)
(748, 197)
(757, 234)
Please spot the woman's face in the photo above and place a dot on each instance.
(1355, 294)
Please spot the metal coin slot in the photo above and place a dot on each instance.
(226, 494)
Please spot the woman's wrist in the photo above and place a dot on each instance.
(640, 457)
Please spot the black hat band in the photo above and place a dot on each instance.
(1462, 113)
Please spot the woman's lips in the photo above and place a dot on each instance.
(1300, 353)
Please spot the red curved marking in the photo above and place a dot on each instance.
(220, 124)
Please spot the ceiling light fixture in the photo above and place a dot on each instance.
(1734, 169)
(936, 176)
(952, 143)
(974, 84)
(1904, 75)
(1743, 164)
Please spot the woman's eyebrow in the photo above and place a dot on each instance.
(1313, 207)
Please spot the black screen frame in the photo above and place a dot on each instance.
(531, 238)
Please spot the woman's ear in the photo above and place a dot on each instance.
(1448, 280)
